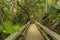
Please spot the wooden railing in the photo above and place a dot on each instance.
(42, 32)
(42, 29)
(16, 34)
(54, 35)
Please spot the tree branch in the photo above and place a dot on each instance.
(21, 6)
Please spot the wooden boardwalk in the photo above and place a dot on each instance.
(33, 33)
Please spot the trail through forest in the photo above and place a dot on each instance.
(33, 33)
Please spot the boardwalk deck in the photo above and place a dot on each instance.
(33, 33)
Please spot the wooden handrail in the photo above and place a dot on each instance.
(43, 33)
(54, 35)
(16, 34)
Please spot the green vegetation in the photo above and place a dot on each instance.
(15, 13)
(8, 27)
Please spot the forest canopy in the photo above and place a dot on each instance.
(15, 13)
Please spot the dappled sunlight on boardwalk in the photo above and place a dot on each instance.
(33, 33)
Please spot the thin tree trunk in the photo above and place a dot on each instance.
(46, 11)
(46, 7)
(1, 11)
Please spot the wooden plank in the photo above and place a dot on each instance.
(54, 35)
(16, 34)
(43, 33)
(33, 33)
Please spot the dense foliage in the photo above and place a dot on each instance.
(15, 13)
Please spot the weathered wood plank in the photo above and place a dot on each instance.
(43, 33)
(54, 35)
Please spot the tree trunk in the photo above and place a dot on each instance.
(1, 13)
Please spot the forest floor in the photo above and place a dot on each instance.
(33, 33)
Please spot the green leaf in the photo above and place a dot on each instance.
(8, 27)
(57, 6)
(17, 27)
